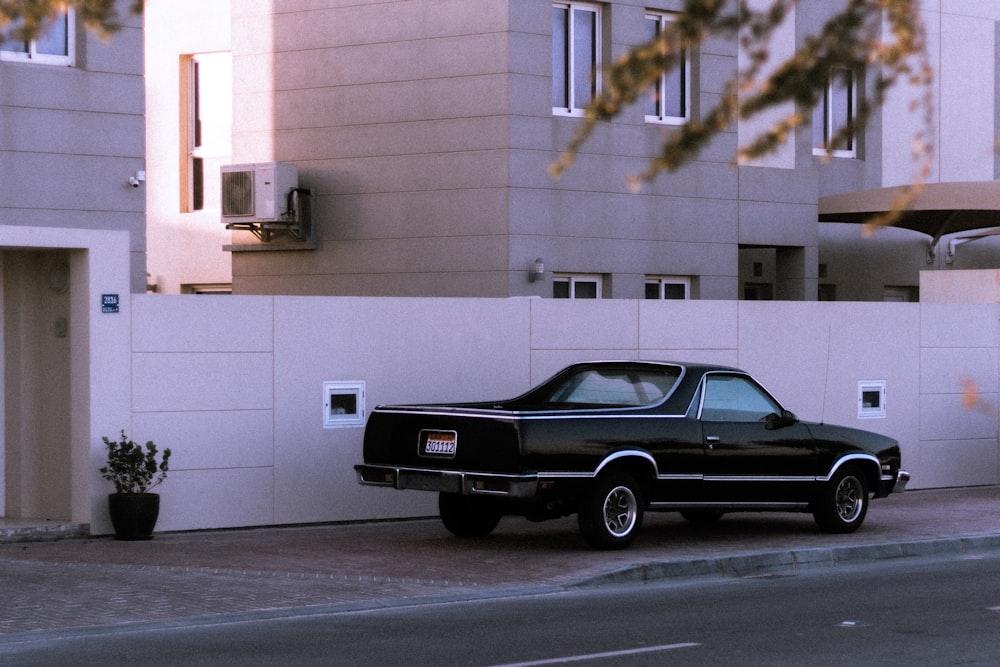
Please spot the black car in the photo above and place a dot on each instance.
(609, 440)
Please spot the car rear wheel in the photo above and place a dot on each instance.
(468, 516)
(843, 502)
(610, 513)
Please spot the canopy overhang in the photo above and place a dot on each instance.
(938, 209)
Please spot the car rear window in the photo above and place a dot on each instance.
(598, 387)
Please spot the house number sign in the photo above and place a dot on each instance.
(109, 303)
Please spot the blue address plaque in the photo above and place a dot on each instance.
(109, 303)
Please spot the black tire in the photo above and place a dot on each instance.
(702, 516)
(843, 503)
(610, 513)
(468, 516)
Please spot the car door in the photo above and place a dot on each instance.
(755, 451)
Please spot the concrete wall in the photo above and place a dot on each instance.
(981, 286)
(963, 98)
(233, 385)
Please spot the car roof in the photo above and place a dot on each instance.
(694, 367)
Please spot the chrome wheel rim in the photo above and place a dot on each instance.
(620, 511)
(849, 499)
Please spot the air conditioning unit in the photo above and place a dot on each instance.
(255, 193)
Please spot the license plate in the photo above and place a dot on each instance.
(438, 443)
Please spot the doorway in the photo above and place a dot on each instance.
(36, 288)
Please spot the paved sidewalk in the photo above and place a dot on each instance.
(83, 582)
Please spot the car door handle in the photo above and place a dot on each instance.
(711, 440)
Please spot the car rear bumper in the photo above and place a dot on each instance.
(448, 481)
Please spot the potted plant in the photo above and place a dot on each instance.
(134, 470)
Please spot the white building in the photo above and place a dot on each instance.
(72, 230)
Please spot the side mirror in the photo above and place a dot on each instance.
(775, 421)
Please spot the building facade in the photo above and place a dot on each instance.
(425, 143)
(72, 242)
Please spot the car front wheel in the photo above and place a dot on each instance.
(468, 516)
(610, 513)
(843, 502)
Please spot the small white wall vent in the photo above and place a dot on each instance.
(257, 192)
(871, 399)
(343, 404)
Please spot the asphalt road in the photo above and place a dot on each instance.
(941, 611)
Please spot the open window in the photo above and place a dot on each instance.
(206, 128)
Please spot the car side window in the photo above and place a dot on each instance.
(733, 398)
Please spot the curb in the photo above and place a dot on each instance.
(43, 532)
(750, 564)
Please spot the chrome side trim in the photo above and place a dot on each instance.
(526, 484)
(731, 506)
(855, 456)
(627, 453)
(501, 415)
(680, 477)
(566, 475)
(760, 478)
(613, 413)
(505, 415)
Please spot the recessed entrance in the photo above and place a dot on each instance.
(37, 335)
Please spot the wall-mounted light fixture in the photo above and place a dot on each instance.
(537, 270)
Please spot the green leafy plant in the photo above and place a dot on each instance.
(132, 468)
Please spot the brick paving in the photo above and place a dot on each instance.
(81, 582)
(50, 596)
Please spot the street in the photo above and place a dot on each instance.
(917, 611)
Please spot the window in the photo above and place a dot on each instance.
(207, 128)
(206, 288)
(758, 292)
(732, 398)
(675, 287)
(668, 99)
(576, 39)
(612, 388)
(900, 294)
(837, 109)
(56, 45)
(576, 287)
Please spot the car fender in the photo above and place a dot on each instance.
(868, 459)
(624, 454)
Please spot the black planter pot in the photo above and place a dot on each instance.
(134, 514)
